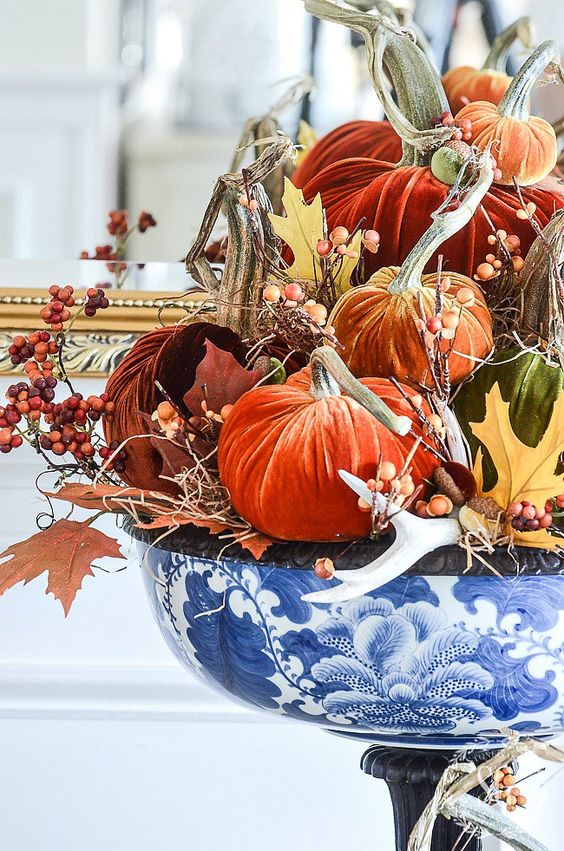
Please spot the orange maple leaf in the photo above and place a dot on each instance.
(66, 550)
(255, 542)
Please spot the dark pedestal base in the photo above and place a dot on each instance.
(411, 777)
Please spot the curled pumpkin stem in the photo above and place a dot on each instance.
(329, 375)
(479, 173)
(419, 92)
(515, 102)
(237, 292)
(520, 30)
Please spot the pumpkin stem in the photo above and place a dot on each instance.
(329, 375)
(522, 29)
(420, 95)
(260, 131)
(238, 290)
(542, 280)
(474, 180)
(515, 102)
(558, 127)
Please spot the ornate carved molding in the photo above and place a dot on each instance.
(96, 346)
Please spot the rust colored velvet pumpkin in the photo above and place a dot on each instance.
(376, 140)
(524, 146)
(399, 202)
(171, 356)
(465, 84)
(281, 448)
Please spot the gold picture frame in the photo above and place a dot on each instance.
(96, 346)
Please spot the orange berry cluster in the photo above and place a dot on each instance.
(9, 440)
(78, 410)
(68, 439)
(396, 485)
(56, 312)
(506, 789)
(493, 264)
(292, 295)
(445, 323)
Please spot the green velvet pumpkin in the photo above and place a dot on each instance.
(525, 381)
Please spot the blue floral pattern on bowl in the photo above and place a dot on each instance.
(441, 661)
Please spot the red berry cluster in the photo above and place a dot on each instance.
(118, 462)
(9, 440)
(31, 400)
(96, 299)
(68, 439)
(38, 345)
(526, 517)
(76, 410)
(463, 132)
(145, 221)
(118, 223)
(57, 312)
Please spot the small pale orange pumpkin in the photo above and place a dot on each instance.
(377, 322)
(524, 146)
(465, 84)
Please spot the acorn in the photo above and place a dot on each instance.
(486, 506)
(456, 481)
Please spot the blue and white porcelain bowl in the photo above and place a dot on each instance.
(435, 658)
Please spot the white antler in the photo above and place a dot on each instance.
(415, 537)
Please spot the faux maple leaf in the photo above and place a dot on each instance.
(301, 229)
(220, 380)
(101, 497)
(255, 542)
(523, 472)
(66, 550)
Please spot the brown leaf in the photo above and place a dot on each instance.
(174, 458)
(99, 497)
(66, 550)
(223, 378)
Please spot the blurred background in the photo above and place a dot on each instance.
(104, 742)
(140, 103)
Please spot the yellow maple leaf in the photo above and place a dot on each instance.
(306, 139)
(523, 472)
(301, 229)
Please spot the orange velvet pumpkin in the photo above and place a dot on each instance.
(376, 140)
(376, 323)
(379, 333)
(281, 448)
(524, 146)
(465, 84)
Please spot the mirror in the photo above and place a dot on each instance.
(139, 104)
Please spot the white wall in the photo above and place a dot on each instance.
(105, 742)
